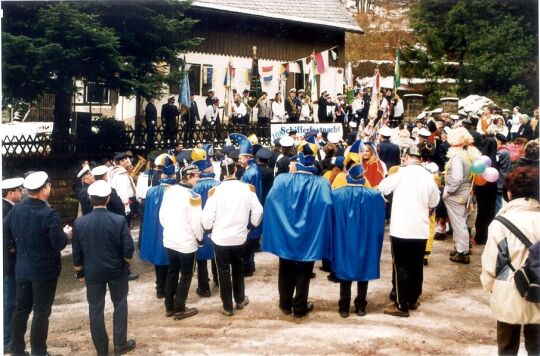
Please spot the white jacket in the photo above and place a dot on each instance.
(507, 305)
(227, 212)
(415, 192)
(180, 216)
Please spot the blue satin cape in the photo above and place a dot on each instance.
(152, 249)
(298, 217)
(205, 183)
(253, 176)
(358, 233)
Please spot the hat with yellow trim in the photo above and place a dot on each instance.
(199, 158)
(244, 144)
(354, 153)
(355, 174)
(307, 151)
(167, 161)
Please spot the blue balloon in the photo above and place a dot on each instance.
(478, 166)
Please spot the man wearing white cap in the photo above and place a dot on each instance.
(11, 195)
(287, 151)
(102, 250)
(389, 152)
(35, 230)
(87, 178)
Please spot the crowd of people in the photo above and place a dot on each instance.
(307, 198)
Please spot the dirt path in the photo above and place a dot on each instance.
(453, 318)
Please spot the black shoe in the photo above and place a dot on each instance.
(169, 313)
(132, 277)
(248, 274)
(344, 313)
(453, 253)
(393, 310)
(313, 275)
(461, 258)
(392, 295)
(286, 311)
(414, 306)
(243, 304)
(203, 293)
(332, 278)
(325, 269)
(361, 312)
(160, 295)
(127, 347)
(309, 309)
(185, 314)
(439, 236)
(226, 312)
(425, 262)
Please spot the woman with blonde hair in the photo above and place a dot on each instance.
(457, 189)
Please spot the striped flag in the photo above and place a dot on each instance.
(397, 72)
(267, 73)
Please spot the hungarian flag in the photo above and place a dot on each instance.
(397, 72)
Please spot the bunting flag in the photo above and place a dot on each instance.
(320, 61)
(267, 73)
(305, 65)
(397, 72)
(350, 96)
(294, 67)
(333, 52)
(184, 87)
(349, 82)
(284, 69)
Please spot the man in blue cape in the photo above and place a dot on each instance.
(252, 175)
(297, 227)
(358, 236)
(201, 159)
(152, 249)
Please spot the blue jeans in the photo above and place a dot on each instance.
(9, 307)
(498, 202)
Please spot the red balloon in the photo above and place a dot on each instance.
(479, 180)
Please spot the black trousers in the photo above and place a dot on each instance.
(39, 297)
(176, 292)
(188, 134)
(161, 277)
(408, 269)
(231, 278)
(294, 276)
(486, 196)
(248, 258)
(95, 294)
(202, 274)
(360, 302)
(508, 338)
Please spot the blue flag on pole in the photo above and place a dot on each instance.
(184, 89)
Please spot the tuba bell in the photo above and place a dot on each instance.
(141, 164)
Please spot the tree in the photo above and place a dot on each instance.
(494, 42)
(124, 45)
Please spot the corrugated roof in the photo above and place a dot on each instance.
(329, 13)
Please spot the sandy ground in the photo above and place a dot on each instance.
(454, 316)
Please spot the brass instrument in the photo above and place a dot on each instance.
(141, 164)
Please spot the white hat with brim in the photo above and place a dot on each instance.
(83, 172)
(99, 188)
(35, 180)
(352, 124)
(100, 170)
(11, 183)
(386, 131)
(424, 132)
(286, 141)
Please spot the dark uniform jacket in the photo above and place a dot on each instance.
(9, 247)
(102, 245)
(193, 116)
(389, 153)
(84, 199)
(37, 232)
(150, 116)
(267, 179)
(114, 205)
(169, 113)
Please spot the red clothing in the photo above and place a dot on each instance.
(374, 172)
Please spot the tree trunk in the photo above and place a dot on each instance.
(62, 119)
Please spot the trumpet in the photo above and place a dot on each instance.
(141, 164)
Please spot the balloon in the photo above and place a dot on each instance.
(490, 174)
(478, 166)
(479, 180)
(486, 160)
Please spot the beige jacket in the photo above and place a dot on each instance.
(507, 305)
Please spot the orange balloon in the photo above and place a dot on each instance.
(479, 180)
